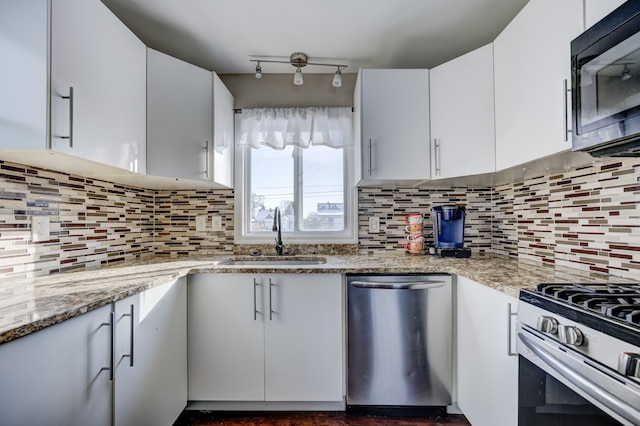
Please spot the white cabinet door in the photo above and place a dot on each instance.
(179, 118)
(265, 337)
(303, 338)
(487, 374)
(531, 62)
(24, 71)
(395, 125)
(595, 10)
(153, 390)
(462, 116)
(226, 338)
(223, 133)
(55, 377)
(96, 54)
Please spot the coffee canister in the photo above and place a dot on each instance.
(415, 239)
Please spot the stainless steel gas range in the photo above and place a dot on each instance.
(579, 348)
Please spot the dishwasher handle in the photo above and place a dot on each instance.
(403, 285)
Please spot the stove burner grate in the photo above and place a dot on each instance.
(617, 301)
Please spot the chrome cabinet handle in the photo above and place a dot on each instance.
(510, 315)
(416, 285)
(436, 147)
(207, 151)
(70, 97)
(370, 158)
(566, 91)
(131, 339)
(255, 302)
(270, 299)
(112, 335)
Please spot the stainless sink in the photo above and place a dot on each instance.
(273, 261)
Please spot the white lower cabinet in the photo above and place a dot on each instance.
(487, 376)
(60, 375)
(55, 376)
(151, 327)
(272, 337)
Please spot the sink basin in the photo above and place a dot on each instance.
(273, 261)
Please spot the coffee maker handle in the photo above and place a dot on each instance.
(438, 224)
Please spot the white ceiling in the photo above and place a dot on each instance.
(222, 35)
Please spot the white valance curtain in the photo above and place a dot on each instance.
(281, 127)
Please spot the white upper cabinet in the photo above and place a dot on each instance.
(98, 90)
(462, 116)
(24, 71)
(392, 125)
(223, 133)
(531, 63)
(179, 118)
(595, 10)
(189, 121)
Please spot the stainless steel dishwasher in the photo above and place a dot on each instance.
(399, 355)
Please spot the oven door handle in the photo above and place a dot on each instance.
(605, 398)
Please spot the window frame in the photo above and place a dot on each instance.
(242, 198)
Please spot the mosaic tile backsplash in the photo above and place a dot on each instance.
(586, 218)
(392, 204)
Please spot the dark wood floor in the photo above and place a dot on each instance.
(197, 418)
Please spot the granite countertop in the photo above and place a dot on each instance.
(27, 306)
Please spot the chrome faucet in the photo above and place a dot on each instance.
(277, 227)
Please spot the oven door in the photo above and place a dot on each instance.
(560, 386)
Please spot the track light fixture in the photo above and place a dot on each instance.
(300, 60)
(297, 78)
(337, 79)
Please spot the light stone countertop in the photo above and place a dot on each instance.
(27, 306)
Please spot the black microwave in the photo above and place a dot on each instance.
(605, 85)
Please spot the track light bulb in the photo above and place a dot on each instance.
(258, 71)
(297, 78)
(337, 79)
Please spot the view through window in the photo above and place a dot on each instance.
(307, 184)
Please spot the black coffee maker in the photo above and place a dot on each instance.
(448, 231)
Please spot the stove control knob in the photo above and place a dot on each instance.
(547, 325)
(629, 364)
(570, 335)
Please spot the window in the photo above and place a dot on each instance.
(295, 159)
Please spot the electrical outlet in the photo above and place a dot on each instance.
(201, 223)
(216, 223)
(40, 228)
(374, 225)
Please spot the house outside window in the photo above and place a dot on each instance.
(295, 159)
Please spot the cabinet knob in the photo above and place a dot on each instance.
(547, 325)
